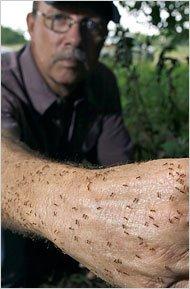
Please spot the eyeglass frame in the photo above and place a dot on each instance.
(72, 22)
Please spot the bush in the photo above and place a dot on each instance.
(11, 37)
(155, 107)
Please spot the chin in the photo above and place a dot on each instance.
(66, 80)
(68, 76)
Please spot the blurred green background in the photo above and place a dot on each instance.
(153, 78)
(154, 96)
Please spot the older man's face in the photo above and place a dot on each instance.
(64, 58)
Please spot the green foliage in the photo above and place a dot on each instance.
(11, 37)
(168, 16)
(153, 79)
(155, 107)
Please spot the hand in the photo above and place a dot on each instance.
(146, 225)
(135, 230)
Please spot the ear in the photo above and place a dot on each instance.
(30, 23)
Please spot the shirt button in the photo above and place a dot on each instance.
(57, 122)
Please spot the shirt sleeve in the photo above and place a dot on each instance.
(9, 123)
(114, 144)
(9, 86)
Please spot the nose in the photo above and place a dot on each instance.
(74, 36)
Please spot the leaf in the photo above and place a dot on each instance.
(155, 15)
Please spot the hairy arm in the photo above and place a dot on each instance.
(127, 224)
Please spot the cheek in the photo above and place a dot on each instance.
(44, 47)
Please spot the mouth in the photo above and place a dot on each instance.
(69, 63)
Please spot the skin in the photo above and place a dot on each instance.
(127, 224)
(46, 45)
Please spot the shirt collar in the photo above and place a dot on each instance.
(41, 96)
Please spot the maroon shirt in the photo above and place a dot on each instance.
(87, 127)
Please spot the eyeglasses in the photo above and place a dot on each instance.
(61, 23)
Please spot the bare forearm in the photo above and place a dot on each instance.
(28, 181)
(119, 222)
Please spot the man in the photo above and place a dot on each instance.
(57, 98)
